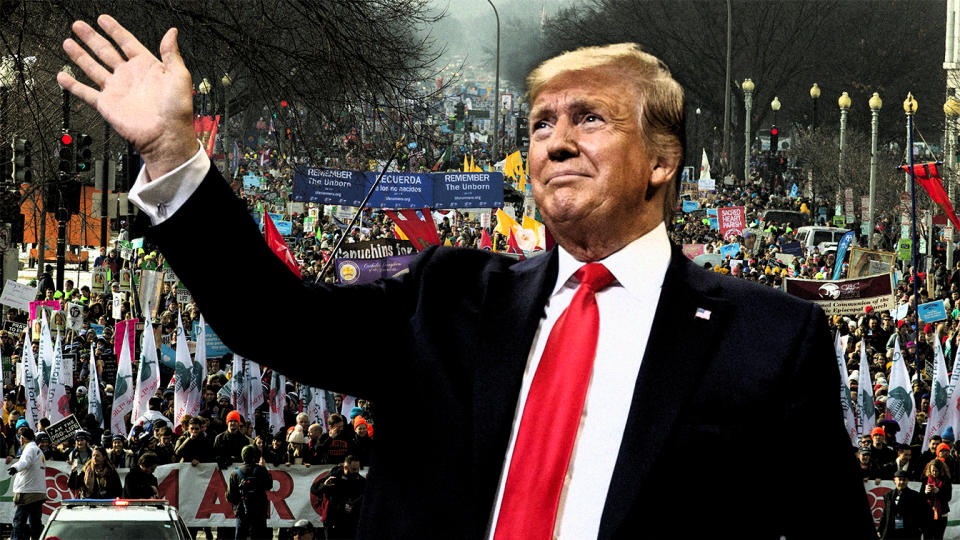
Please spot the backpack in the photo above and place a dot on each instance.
(246, 491)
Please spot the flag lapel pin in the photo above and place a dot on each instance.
(703, 314)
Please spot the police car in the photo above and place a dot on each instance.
(115, 518)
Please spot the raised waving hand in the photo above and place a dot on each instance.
(147, 101)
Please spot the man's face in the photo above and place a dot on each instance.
(194, 431)
(315, 432)
(901, 482)
(905, 455)
(209, 396)
(589, 169)
(117, 445)
(877, 439)
(864, 458)
(165, 439)
(233, 426)
(352, 468)
(933, 445)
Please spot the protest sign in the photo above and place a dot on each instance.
(99, 282)
(401, 190)
(691, 251)
(117, 300)
(707, 184)
(732, 220)
(901, 312)
(151, 284)
(63, 430)
(792, 248)
(468, 190)
(126, 279)
(904, 249)
(845, 296)
(74, 317)
(285, 228)
(215, 346)
(729, 250)
(328, 186)
(15, 328)
(690, 206)
(932, 311)
(376, 249)
(868, 262)
(713, 259)
(17, 295)
(183, 295)
(52, 306)
(353, 271)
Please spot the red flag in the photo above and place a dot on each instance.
(928, 176)
(513, 246)
(277, 245)
(420, 230)
(206, 129)
(485, 242)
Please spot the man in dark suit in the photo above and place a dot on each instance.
(905, 512)
(674, 360)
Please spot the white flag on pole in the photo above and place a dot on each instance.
(58, 403)
(846, 403)
(31, 386)
(254, 382)
(239, 390)
(900, 404)
(704, 167)
(940, 411)
(198, 373)
(313, 401)
(278, 400)
(148, 377)
(123, 388)
(183, 370)
(94, 403)
(866, 410)
(45, 362)
(953, 396)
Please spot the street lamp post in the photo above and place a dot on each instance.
(910, 108)
(844, 103)
(227, 149)
(814, 96)
(775, 107)
(747, 87)
(875, 104)
(951, 108)
(204, 89)
(696, 134)
(494, 157)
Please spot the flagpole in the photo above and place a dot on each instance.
(910, 107)
(363, 205)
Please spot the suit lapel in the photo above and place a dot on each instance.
(512, 308)
(672, 367)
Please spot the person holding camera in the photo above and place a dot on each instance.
(342, 496)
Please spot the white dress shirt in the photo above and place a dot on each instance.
(626, 309)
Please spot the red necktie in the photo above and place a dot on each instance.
(551, 415)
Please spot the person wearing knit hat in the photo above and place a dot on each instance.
(247, 490)
(228, 445)
(883, 455)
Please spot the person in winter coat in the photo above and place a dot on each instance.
(247, 491)
(29, 488)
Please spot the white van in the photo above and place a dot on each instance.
(820, 237)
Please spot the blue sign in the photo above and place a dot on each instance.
(275, 216)
(712, 212)
(690, 206)
(714, 223)
(842, 253)
(215, 347)
(327, 186)
(932, 311)
(792, 248)
(168, 356)
(251, 181)
(401, 190)
(285, 228)
(793, 192)
(467, 190)
(729, 250)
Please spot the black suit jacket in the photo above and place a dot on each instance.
(914, 510)
(718, 400)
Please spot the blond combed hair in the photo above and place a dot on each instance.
(660, 97)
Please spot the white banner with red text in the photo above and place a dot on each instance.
(199, 493)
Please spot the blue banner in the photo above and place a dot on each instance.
(328, 186)
(285, 228)
(251, 181)
(401, 190)
(793, 192)
(932, 312)
(842, 253)
(215, 347)
(792, 248)
(467, 190)
(354, 271)
(714, 223)
(690, 206)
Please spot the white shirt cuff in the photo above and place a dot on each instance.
(160, 198)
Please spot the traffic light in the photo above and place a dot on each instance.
(774, 139)
(84, 155)
(460, 111)
(22, 171)
(67, 163)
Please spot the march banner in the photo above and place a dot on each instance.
(401, 190)
(148, 378)
(198, 373)
(182, 393)
(31, 386)
(846, 403)
(940, 414)
(123, 388)
(845, 296)
(354, 271)
(901, 406)
(58, 402)
(468, 190)
(866, 410)
(94, 404)
(327, 186)
(376, 249)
